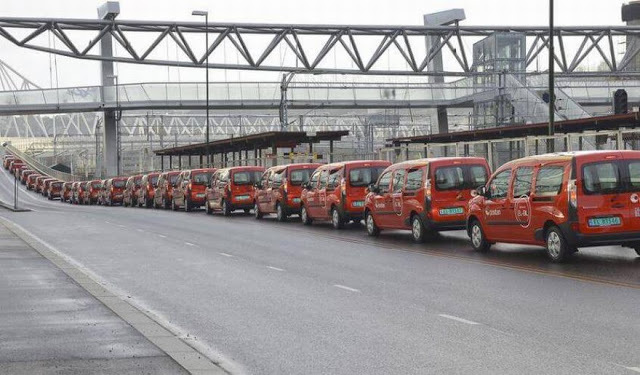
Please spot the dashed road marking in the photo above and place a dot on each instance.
(275, 268)
(140, 230)
(162, 236)
(636, 369)
(226, 255)
(346, 288)
(458, 319)
(121, 226)
(189, 244)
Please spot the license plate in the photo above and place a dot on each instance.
(242, 197)
(200, 195)
(451, 211)
(358, 204)
(604, 221)
(296, 200)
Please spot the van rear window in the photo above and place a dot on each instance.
(200, 178)
(364, 176)
(601, 178)
(449, 178)
(246, 178)
(119, 183)
(634, 175)
(300, 176)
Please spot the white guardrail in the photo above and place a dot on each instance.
(37, 166)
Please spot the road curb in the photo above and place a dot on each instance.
(180, 351)
(10, 207)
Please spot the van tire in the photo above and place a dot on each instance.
(372, 229)
(478, 240)
(336, 219)
(226, 210)
(207, 208)
(187, 205)
(557, 248)
(173, 205)
(256, 211)
(304, 216)
(418, 231)
(281, 216)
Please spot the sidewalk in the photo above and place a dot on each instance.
(49, 324)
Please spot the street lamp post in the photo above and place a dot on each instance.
(205, 14)
(552, 97)
(118, 115)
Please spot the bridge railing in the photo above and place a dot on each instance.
(37, 166)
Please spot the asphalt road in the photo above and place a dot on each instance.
(281, 298)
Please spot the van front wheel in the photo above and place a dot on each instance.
(336, 219)
(417, 229)
(372, 228)
(478, 240)
(281, 216)
(304, 216)
(557, 248)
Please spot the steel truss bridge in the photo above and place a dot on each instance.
(366, 47)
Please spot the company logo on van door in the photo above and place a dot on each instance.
(489, 212)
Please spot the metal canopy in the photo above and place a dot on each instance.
(253, 142)
(407, 42)
(630, 120)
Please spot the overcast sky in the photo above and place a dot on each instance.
(36, 65)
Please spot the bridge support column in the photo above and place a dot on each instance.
(170, 162)
(109, 11)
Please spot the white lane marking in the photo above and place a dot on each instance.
(275, 268)
(139, 230)
(458, 319)
(121, 226)
(226, 255)
(346, 288)
(162, 236)
(108, 222)
(636, 369)
(189, 244)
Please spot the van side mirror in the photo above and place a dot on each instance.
(258, 185)
(481, 191)
(374, 189)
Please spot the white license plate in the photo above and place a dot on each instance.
(296, 200)
(200, 195)
(451, 211)
(358, 204)
(604, 221)
(242, 197)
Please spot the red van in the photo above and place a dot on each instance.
(55, 190)
(46, 185)
(164, 192)
(92, 195)
(31, 181)
(561, 201)
(232, 189)
(82, 192)
(75, 193)
(7, 159)
(190, 189)
(66, 192)
(40, 183)
(146, 192)
(279, 189)
(14, 165)
(114, 191)
(25, 174)
(424, 196)
(17, 171)
(337, 191)
(130, 195)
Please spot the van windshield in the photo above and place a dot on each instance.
(173, 179)
(246, 178)
(119, 183)
(198, 178)
(96, 185)
(154, 180)
(300, 176)
(365, 176)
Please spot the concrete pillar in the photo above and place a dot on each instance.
(274, 153)
(109, 11)
(189, 161)
(170, 162)
(331, 151)
(201, 165)
(255, 156)
(310, 152)
(180, 162)
(162, 163)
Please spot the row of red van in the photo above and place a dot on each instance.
(560, 201)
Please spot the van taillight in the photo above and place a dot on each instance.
(285, 186)
(427, 188)
(343, 185)
(572, 190)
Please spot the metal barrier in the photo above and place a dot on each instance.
(500, 151)
(39, 167)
